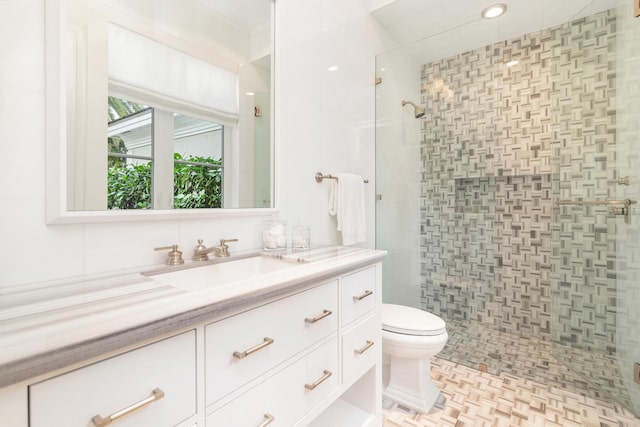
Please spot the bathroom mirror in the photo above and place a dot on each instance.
(158, 109)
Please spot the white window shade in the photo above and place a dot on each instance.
(160, 72)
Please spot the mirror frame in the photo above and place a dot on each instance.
(56, 141)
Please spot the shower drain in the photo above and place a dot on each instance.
(495, 356)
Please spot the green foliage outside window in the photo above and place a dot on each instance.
(129, 187)
(116, 145)
(195, 186)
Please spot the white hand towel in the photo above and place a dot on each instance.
(333, 198)
(346, 202)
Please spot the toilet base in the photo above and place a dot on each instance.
(410, 384)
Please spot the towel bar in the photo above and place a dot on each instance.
(320, 177)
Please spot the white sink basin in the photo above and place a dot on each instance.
(224, 273)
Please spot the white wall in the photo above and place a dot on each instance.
(325, 119)
(325, 122)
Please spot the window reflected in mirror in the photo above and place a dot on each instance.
(130, 157)
(198, 163)
(140, 138)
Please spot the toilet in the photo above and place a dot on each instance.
(410, 337)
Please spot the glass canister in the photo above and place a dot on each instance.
(300, 238)
(274, 235)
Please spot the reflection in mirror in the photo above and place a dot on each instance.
(180, 93)
(195, 146)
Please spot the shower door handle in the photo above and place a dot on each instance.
(614, 208)
(625, 202)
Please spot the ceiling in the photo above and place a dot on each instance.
(250, 15)
(435, 29)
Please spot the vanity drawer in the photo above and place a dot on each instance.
(109, 386)
(284, 396)
(321, 369)
(242, 347)
(361, 347)
(358, 294)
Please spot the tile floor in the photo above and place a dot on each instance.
(526, 387)
(473, 343)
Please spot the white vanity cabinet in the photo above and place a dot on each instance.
(360, 400)
(310, 356)
(359, 295)
(285, 397)
(362, 327)
(327, 370)
(245, 346)
(162, 376)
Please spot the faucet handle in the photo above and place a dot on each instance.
(174, 257)
(223, 249)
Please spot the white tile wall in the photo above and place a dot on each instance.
(325, 123)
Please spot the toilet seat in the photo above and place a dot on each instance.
(405, 320)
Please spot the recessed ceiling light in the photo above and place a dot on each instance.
(250, 93)
(494, 10)
(333, 68)
(511, 63)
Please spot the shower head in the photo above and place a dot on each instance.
(417, 111)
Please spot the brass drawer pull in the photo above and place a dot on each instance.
(366, 347)
(322, 379)
(242, 354)
(268, 419)
(324, 314)
(98, 421)
(363, 296)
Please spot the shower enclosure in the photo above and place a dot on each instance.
(509, 208)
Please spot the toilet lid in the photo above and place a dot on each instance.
(410, 321)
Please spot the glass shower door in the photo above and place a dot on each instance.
(627, 337)
(398, 178)
(596, 168)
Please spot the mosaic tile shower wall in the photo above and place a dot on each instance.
(488, 141)
(584, 134)
(486, 186)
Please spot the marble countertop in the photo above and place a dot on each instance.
(44, 327)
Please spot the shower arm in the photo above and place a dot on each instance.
(417, 111)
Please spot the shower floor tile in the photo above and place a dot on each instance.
(471, 398)
(523, 385)
(479, 346)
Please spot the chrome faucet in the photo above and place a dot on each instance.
(201, 252)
